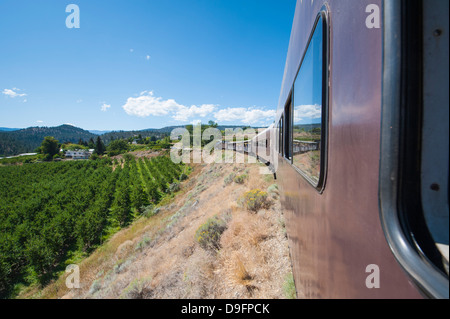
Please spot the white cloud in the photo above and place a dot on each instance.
(105, 107)
(184, 113)
(39, 121)
(303, 112)
(147, 57)
(250, 115)
(146, 104)
(13, 92)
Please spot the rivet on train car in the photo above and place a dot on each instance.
(435, 187)
(437, 32)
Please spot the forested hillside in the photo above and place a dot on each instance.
(50, 211)
(27, 140)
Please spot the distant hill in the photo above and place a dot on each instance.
(7, 129)
(307, 127)
(27, 140)
(97, 132)
(159, 133)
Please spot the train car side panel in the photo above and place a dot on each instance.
(335, 236)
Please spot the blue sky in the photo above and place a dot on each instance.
(142, 64)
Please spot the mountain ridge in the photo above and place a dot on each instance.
(18, 141)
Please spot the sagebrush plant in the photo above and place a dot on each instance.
(96, 286)
(208, 234)
(137, 289)
(255, 200)
(146, 241)
(273, 190)
(229, 179)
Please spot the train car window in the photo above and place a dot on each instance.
(288, 130)
(308, 109)
(278, 137)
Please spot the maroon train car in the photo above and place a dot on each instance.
(361, 141)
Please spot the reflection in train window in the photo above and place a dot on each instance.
(307, 113)
(281, 136)
(287, 130)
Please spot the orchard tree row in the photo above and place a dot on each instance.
(48, 210)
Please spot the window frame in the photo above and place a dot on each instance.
(320, 184)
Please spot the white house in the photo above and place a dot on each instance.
(79, 154)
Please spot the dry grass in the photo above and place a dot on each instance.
(239, 271)
(158, 257)
(254, 257)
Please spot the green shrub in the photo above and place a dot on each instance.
(208, 234)
(240, 179)
(255, 200)
(128, 157)
(148, 211)
(174, 187)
